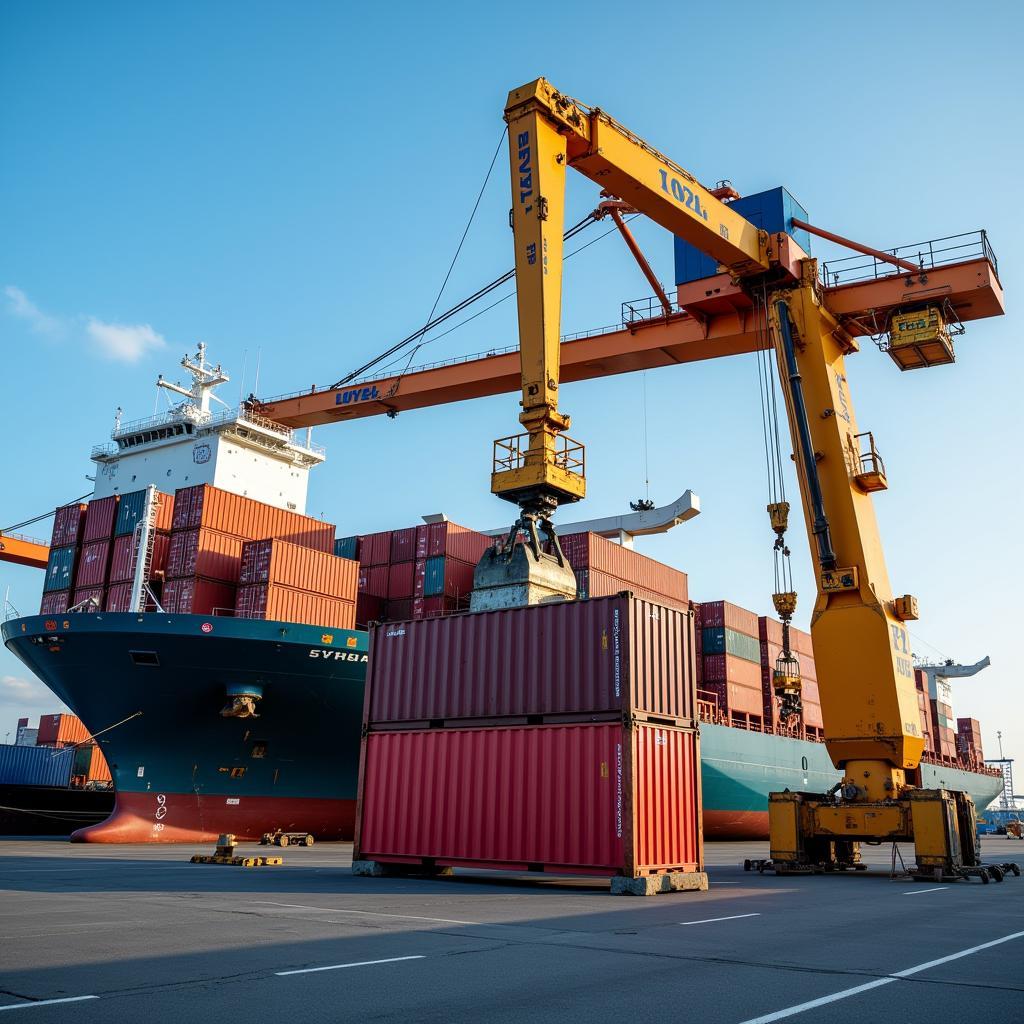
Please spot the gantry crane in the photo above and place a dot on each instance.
(767, 293)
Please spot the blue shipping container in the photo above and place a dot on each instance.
(772, 211)
(129, 512)
(433, 579)
(59, 569)
(36, 766)
(347, 547)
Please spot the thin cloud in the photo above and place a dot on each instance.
(21, 306)
(124, 342)
(23, 692)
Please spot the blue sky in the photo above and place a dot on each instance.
(289, 183)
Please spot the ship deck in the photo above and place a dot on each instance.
(135, 933)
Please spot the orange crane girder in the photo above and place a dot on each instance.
(24, 550)
(720, 321)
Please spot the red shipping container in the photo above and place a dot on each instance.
(194, 595)
(202, 552)
(375, 548)
(398, 611)
(119, 597)
(403, 545)
(811, 700)
(441, 604)
(369, 609)
(452, 540)
(283, 604)
(584, 798)
(93, 564)
(732, 697)
(99, 519)
(228, 513)
(589, 551)
(400, 580)
(292, 565)
(55, 602)
(373, 580)
(605, 656)
(125, 551)
(732, 616)
(730, 668)
(67, 525)
(592, 583)
(61, 730)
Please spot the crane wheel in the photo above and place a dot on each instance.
(996, 872)
(282, 841)
(983, 875)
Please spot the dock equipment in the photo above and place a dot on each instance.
(225, 854)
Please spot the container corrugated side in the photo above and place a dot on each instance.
(347, 547)
(727, 667)
(60, 569)
(204, 552)
(589, 551)
(54, 602)
(375, 548)
(592, 583)
(400, 580)
(604, 655)
(444, 574)
(593, 798)
(724, 613)
(283, 604)
(61, 729)
(67, 524)
(194, 595)
(373, 579)
(132, 506)
(99, 518)
(292, 565)
(723, 640)
(93, 564)
(91, 599)
(125, 555)
(403, 545)
(35, 766)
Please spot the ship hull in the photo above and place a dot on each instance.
(151, 689)
(184, 773)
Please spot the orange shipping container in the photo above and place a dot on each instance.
(812, 705)
(595, 583)
(61, 730)
(283, 604)
(301, 568)
(588, 551)
(196, 595)
(203, 552)
(210, 507)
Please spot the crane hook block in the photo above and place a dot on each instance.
(778, 513)
(785, 604)
(905, 608)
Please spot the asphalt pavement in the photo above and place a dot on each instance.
(137, 933)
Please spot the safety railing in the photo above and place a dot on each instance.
(647, 308)
(512, 453)
(927, 255)
(870, 460)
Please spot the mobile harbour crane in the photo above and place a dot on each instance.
(768, 294)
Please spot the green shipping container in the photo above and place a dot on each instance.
(129, 511)
(722, 640)
(347, 547)
(59, 569)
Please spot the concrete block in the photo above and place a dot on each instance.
(651, 885)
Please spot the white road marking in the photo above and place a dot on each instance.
(917, 892)
(341, 967)
(364, 913)
(887, 980)
(46, 1002)
(709, 920)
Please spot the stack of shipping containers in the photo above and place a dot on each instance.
(124, 555)
(93, 565)
(968, 741)
(559, 737)
(924, 711)
(87, 764)
(770, 634)
(291, 583)
(204, 557)
(415, 573)
(60, 569)
(729, 673)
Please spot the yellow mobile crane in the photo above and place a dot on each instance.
(862, 650)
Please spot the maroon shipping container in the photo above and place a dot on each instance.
(93, 564)
(55, 602)
(203, 552)
(451, 540)
(67, 525)
(732, 616)
(61, 730)
(400, 579)
(92, 595)
(298, 567)
(373, 579)
(375, 548)
(431, 607)
(369, 608)
(99, 519)
(119, 597)
(283, 604)
(589, 551)
(586, 798)
(403, 545)
(206, 506)
(125, 552)
(595, 583)
(770, 630)
(397, 611)
(811, 699)
(605, 656)
(734, 697)
(194, 595)
(730, 668)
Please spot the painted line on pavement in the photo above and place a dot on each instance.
(364, 913)
(917, 892)
(812, 1004)
(46, 1002)
(341, 967)
(710, 920)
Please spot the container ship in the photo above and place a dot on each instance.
(212, 638)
